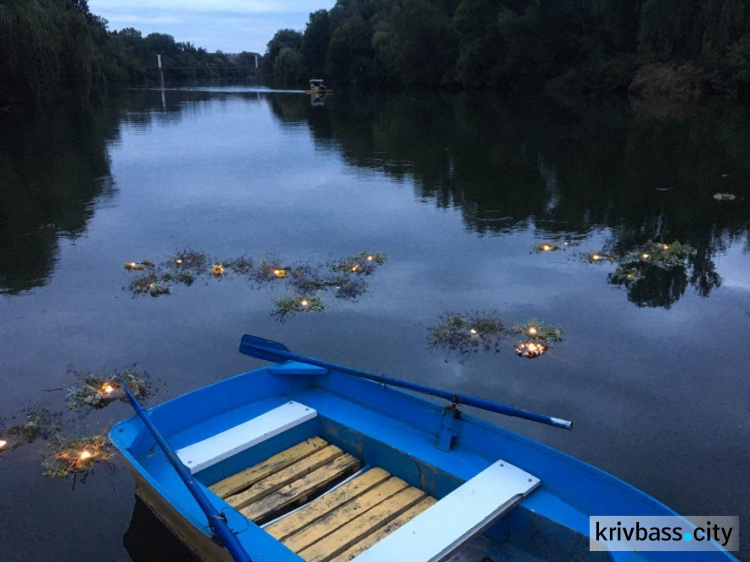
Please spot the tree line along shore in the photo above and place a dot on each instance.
(53, 50)
(684, 47)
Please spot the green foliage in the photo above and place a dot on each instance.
(48, 49)
(143, 283)
(415, 43)
(664, 256)
(298, 303)
(55, 51)
(97, 391)
(470, 333)
(78, 456)
(625, 275)
(35, 423)
(655, 274)
(361, 264)
(739, 59)
(289, 67)
(284, 38)
(351, 57)
(481, 44)
(467, 333)
(539, 332)
(346, 276)
(315, 42)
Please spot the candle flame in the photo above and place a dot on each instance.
(645, 256)
(473, 331)
(546, 247)
(304, 303)
(370, 258)
(532, 330)
(530, 350)
(279, 273)
(85, 455)
(109, 389)
(355, 268)
(178, 260)
(665, 246)
(595, 257)
(3, 443)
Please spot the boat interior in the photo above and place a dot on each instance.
(346, 469)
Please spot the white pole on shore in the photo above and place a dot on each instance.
(161, 75)
(161, 71)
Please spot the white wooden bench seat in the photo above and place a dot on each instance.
(216, 448)
(448, 524)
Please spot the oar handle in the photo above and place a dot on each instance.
(216, 520)
(276, 352)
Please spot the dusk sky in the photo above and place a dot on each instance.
(229, 25)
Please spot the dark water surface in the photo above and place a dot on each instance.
(455, 189)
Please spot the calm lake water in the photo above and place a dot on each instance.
(456, 190)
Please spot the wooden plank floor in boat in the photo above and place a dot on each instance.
(334, 523)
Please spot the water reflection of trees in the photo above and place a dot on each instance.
(50, 173)
(656, 287)
(643, 172)
(52, 170)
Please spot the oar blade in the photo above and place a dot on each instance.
(262, 348)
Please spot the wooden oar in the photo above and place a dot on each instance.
(278, 353)
(216, 520)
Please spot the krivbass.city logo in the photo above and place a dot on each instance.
(649, 533)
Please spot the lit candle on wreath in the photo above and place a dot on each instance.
(280, 273)
(530, 350)
(85, 455)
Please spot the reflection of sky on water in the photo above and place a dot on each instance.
(654, 394)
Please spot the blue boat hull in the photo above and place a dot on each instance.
(403, 434)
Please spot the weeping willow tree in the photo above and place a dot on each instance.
(49, 50)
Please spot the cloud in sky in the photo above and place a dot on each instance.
(229, 25)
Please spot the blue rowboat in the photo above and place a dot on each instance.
(305, 460)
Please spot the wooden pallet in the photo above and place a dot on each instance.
(335, 523)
